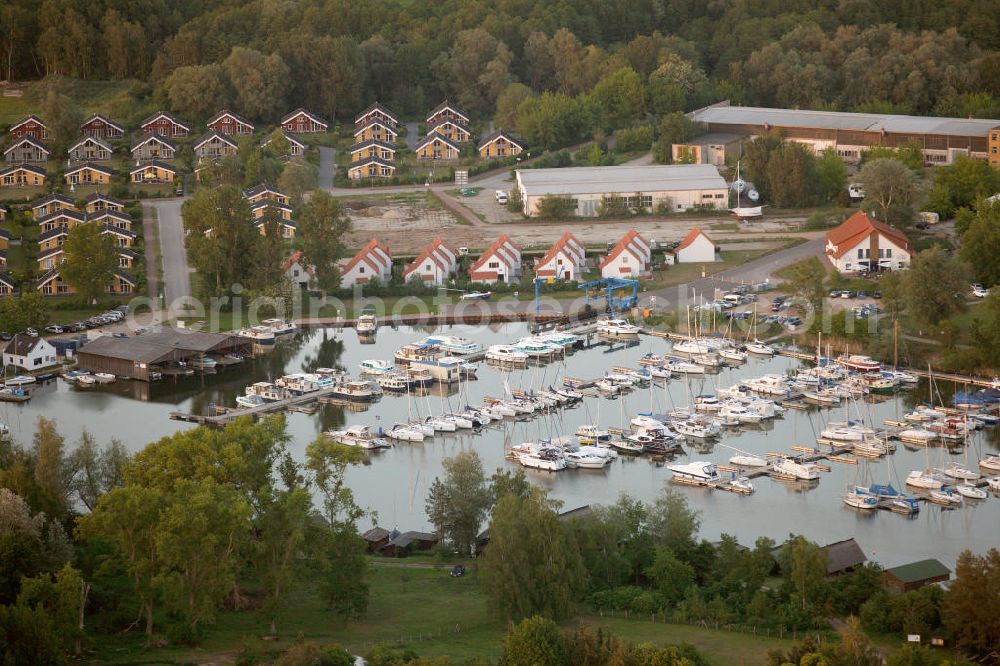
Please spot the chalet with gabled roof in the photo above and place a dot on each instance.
(301, 121)
(102, 128)
(264, 192)
(377, 149)
(297, 271)
(228, 123)
(7, 285)
(90, 148)
(565, 260)
(121, 237)
(375, 130)
(296, 146)
(434, 265)
(28, 352)
(97, 202)
(268, 212)
(26, 149)
(213, 145)
(153, 172)
(861, 244)
(88, 173)
(262, 207)
(163, 124)
(107, 217)
(501, 262)
(65, 218)
(376, 112)
(629, 258)
(373, 261)
(447, 111)
(453, 130)
(22, 175)
(153, 147)
(372, 167)
(437, 147)
(50, 204)
(31, 126)
(126, 257)
(499, 144)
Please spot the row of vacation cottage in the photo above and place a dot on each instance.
(56, 215)
(376, 130)
(501, 262)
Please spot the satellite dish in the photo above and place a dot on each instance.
(753, 195)
(739, 184)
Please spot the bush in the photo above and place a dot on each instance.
(556, 208)
(821, 220)
(633, 139)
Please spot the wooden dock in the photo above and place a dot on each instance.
(222, 418)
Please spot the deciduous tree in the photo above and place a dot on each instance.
(90, 260)
(534, 641)
(261, 83)
(321, 228)
(980, 247)
(971, 609)
(890, 191)
(457, 505)
(934, 285)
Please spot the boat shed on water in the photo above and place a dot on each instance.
(164, 352)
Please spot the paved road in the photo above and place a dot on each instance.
(176, 275)
(752, 272)
(152, 250)
(327, 165)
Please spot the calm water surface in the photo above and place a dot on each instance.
(395, 484)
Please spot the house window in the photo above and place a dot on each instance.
(38, 361)
(888, 253)
(494, 264)
(861, 253)
(361, 270)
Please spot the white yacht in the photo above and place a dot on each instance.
(945, 496)
(298, 383)
(23, 380)
(859, 363)
(822, 396)
(104, 377)
(404, 432)
(957, 471)
(792, 469)
(586, 460)
(250, 401)
(360, 436)
(739, 412)
(281, 327)
(695, 472)
(917, 435)
(646, 421)
(260, 335)
(846, 431)
(367, 322)
(994, 483)
(707, 403)
(618, 329)
(376, 366)
(565, 340)
(928, 479)
(542, 456)
(536, 348)
(759, 348)
(966, 489)
(860, 498)
(460, 420)
(746, 460)
(990, 463)
(608, 387)
(589, 433)
(392, 381)
(709, 360)
(691, 428)
(683, 367)
(455, 345)
(691, 346)
(769, 384)
(506, 354)
(733, 354)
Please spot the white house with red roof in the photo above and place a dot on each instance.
(297, 271)
(501, 262)
(374, 261)
(629, 258)
(861, 243)
(696, 247)
(434, 265)
(564, 260)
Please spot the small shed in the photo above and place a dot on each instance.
(376, 538)
(915, 575)
(403, 544)
(696, 247)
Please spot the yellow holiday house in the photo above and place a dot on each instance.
(373, 149)
(375, 130)
(499, 144)
(22, 175)
(438, 147)
(88, 173)
(451, 129)
(153, 173)
(372, 167)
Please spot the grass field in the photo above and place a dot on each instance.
(422, 608)
(89, 97)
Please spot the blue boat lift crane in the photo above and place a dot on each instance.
(615, 291)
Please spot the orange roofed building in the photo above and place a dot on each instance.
(629, 258)
(563, 261)
(696, 247)
(374, 261)
(501, 262)
(861, 244)
(434, 265)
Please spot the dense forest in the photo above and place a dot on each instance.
(618, 61)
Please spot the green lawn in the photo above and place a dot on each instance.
(425, 609)
(669, 276)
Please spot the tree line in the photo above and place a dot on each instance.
(620, 59)
(648, 559)
(159, 541)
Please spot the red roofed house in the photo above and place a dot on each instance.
(629, 258)
(164, 125)
(30, 126)
(297, 270)
(301, 121)
(373, 261)
(99, 126)
(501, 262)
(695, 248)
(230, 124)
(434, 264)
(563, 261)
(861, 243)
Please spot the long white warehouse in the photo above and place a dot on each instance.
(681, 186)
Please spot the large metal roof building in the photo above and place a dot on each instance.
(682, 186)
(940, 139)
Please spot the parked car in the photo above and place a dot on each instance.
(979, 291)
(862, 294)
(5, 336)
(53, 329)
(32, 332)
(876, 295)
(502, 197)
(119, 334)
(458, 571)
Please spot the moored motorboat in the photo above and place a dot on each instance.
(927, 479)
(618, 329)
(792, 469)
(698, 472)
(359, 436)
(990, 463)
(966, 489)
